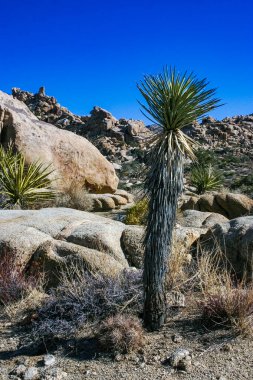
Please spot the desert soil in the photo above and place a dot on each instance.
(216, 354)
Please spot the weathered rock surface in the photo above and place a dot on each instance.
(106, 202)
(120, 141)
(198, 219)
(48, 238)
(76, 161)
(192, 226)
(228, 204)
(132, 244)
(235, 239)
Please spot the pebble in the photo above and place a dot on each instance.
(176, 338)
(181, 360)
(20, 369)
(49, 360)
(31, 374)
(227, 347)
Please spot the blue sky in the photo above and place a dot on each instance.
(90, 53)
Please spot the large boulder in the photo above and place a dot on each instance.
(76, 161)
(235, 239)
(192, 225)
(198, 219)
(229, 205)
(47, 238)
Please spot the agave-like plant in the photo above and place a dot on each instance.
(205, 178)
(172, 101)
(23, 185)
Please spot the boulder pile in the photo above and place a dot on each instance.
(228, 204)
(100, 126)
(233, 132)
(76, 161)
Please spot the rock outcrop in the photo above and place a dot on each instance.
(98, 125)
(192, 225)
(121, 141)
(124, 142)
(230, 132)
(76, 161)
(48, 238)
(228, 204)
(235, 239)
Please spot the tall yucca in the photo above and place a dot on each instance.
(172, 101)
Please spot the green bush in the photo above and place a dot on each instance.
(205, 178)
(20, 184)
(205, 157)
(138, 213)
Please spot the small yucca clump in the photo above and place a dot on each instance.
(205, 178)
(22, 185)
(120, 333)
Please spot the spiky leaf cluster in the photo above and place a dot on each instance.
(174, 101)
(23, 185)
(205, 178)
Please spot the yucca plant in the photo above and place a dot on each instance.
(205, 178)
(23, 185)
(172, 101)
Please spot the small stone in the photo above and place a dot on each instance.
(49, 360)
(118, 358)
(31, 374)
(20, 369)
(227, 347)
(157, 358)
(180, 359)
(176, 338)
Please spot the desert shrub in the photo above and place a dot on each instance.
(230, 306)
(83, 298)
(23, 185)
(245, 184)
(120, 333)
(224, 300)
(15, 284)
(76, 198)
(137, 214)
(206, 157)
(205, 178)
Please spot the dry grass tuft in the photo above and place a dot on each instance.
(15, 284)
(75, 197)
(121, 333)
(225, 301)
(179, 268)
(24, 310)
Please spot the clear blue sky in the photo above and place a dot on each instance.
(88, 52)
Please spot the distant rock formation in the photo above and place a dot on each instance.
(233, 132)
(76, 161)
(125, 141)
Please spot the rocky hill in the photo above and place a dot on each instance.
(124, 141)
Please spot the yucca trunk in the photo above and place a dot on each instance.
(164, 184)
